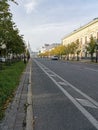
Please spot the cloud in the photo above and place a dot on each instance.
(46, 33)
(30, 6)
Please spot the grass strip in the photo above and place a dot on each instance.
(9, 80)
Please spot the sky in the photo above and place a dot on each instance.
(48, 21)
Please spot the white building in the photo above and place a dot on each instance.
(83, 34)
(48, 47)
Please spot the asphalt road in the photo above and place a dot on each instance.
(65, 95)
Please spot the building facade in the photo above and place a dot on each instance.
(83, 34)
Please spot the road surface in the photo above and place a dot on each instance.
(65, 95)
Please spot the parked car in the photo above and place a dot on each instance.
(2, 59)
(54, 57)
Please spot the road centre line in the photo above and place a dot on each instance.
(81, 68)
(91, 69)
(93, 121)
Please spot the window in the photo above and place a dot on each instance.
(97, 35)
(81, 40)
(85, 39)
(91, 35)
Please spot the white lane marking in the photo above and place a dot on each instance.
(52, 75)
(73, 87)
(91, 69)
(93, 121)
(77, 90)
(81, 68)
(85, 102)
(62, 83)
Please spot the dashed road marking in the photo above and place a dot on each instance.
(80, 107)
(52, 75)
(62, 83)
(92, 69)
(85, 102)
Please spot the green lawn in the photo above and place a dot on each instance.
(9, 80)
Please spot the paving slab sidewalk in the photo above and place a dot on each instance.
(17, 114)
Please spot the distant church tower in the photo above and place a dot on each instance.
(29, 48)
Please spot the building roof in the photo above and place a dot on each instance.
(81, 28)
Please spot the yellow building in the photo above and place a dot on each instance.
(83, 34)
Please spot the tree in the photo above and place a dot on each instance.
(72, 49)
(59, 50)
(9, 34)
(77, 48)
(91, 47)
(68, 50)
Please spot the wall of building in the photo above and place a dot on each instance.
(83, 34)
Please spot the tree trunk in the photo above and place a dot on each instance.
(92, 58)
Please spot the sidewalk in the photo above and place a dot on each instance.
(19, 115)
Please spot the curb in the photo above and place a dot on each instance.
(29, 116)
(15, 114)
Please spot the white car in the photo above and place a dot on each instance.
(2, 59)
(54, 57)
